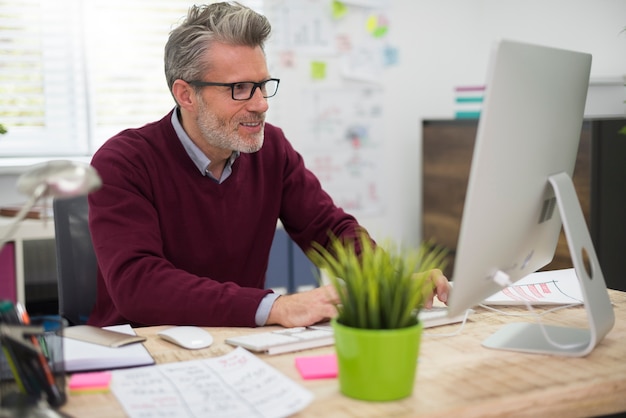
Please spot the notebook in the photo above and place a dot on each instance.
(83, 356)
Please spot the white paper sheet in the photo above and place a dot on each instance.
(553, 287)
(238, 384)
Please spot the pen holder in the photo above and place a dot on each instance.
(32, 369)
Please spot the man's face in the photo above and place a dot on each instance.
(226, 123)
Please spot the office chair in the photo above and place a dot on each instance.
(76, 260)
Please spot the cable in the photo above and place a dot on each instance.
(503, 279)
(451, 334)
(525, 314)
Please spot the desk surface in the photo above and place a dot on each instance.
(456, 376)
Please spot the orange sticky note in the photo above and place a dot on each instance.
(317, 367)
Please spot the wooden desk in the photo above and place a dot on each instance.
(456, 376)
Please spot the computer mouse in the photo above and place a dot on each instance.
(187, 336)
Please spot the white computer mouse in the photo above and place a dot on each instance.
(189, 337)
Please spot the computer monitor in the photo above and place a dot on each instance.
(520, 192)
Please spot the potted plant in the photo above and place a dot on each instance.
(377, 332)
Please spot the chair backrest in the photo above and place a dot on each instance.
(76, 260)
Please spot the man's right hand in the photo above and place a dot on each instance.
(304, 308)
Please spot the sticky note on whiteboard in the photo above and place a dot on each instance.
(318, 70)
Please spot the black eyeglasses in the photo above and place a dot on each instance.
(244, 90)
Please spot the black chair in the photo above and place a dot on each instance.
(76, 260)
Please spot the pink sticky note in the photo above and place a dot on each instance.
(89, 380)
(317, 367)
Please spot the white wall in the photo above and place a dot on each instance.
(8, 194)
(446, 43)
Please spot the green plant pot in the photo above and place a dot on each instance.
(377, 365)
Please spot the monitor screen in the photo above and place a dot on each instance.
(527, 140)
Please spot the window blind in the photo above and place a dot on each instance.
(41, 76)
(75, 72)
(124, 54)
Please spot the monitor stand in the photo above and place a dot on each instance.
(575, 342)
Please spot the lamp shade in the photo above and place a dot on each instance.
(61, 178)
(56, 178)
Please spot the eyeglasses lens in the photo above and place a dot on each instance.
(245, 91)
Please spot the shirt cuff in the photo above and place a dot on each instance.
(263, 311)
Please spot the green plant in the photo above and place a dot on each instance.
(3, 130)
(379, 288)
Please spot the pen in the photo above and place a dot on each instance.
(6, 308)
(40, 365)
(10, 359)
(22, 361)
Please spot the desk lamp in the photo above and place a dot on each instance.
(56, 178)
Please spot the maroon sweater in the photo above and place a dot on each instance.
(175, 247)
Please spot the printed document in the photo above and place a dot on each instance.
(238, 384)
(552, 287)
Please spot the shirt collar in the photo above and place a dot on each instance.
(200, 160)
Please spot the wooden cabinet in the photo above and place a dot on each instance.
(608, 198)
(447, 147)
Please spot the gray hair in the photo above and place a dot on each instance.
(227, 22)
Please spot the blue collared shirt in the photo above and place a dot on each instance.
(202, 162)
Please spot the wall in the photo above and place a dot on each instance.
(445, 43)
(442, 44)
(8, 194)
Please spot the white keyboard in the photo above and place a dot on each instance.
(285, 340)
(301, 338)
(438, 316)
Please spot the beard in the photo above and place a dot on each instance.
(217, 132)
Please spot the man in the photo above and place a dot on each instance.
(183, 225)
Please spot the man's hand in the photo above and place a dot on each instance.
(440, 287)
(318, 305)
(304, 308)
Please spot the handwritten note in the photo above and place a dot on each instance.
(238, 384)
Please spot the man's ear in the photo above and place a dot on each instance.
(184, 94)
